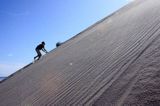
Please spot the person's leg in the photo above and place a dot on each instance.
(39, 54)
(36, 55)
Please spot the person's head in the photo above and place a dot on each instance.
(43, 43)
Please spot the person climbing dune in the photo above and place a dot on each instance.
(38, 49)
(58, 44)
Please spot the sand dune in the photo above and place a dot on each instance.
(115, 62)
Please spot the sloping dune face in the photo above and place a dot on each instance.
(115, 62)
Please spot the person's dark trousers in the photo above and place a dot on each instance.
(38, 54)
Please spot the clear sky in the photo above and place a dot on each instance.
(25, 23)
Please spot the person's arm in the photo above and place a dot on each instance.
(44, 50)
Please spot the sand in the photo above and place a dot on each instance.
(115, 62)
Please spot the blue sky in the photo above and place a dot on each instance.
(25, 23)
